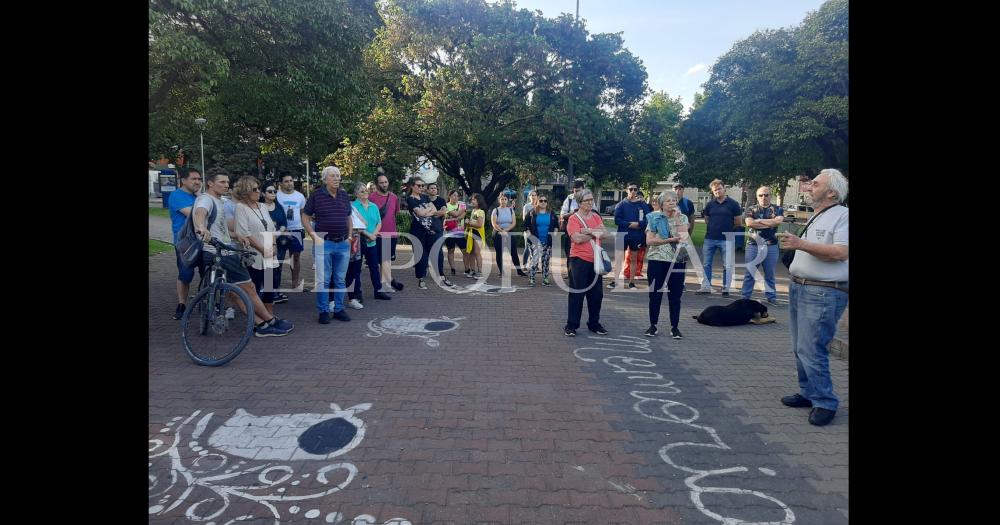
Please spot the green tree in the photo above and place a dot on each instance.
(492, 94)
(775, 106)
(265, 73)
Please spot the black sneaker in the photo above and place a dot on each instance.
(421, 284)
(396, 285)
(453, 271)
(725, 294)
(675, 333)
(631, 285)
(521, 273)
(569, 332)
(598, 329)
(796, 401)
(382, 296)
(324, 318)
(280, 298)
(651, 331)
(611, 285)
(447, 282)
(821, 416)
(341, 316)
(179, 312)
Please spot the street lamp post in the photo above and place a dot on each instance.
(201, 127)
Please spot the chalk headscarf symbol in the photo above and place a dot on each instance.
(426, 329)
(203, 479)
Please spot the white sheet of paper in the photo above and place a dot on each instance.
(357, 222)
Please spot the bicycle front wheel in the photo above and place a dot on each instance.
(217, 324)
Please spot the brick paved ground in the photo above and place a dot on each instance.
(505, 421)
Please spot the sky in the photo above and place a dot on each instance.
(679, 40)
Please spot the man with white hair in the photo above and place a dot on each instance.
(331, 208)
(818, 293)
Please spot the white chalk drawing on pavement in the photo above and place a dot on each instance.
(657, 392)
(426, 329)
(484, 288)
(245, 458)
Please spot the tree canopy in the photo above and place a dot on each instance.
(266, 74)
(490, 93)
(775, 106)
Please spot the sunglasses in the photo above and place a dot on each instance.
(269, 191)
(255, 188)
(418, 185)
(542, 201)
(632, 189)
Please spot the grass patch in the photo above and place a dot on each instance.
(156, 247)
(159, 212)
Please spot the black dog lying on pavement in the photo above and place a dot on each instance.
(733, 314)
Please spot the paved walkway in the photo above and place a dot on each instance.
(474, 408)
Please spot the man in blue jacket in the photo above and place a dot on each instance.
(630, 217)
(722, 214)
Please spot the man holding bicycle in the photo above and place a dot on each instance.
(236, 273)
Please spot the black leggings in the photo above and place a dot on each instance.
(498, 248)
(656, 274)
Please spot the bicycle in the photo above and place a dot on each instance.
(213, 332)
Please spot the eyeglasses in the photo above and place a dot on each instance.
(269, 191)
(542, 201)
(254, 189)
(588, 200)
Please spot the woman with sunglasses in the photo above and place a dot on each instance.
(253, 227)
(540, 222)
(422, 227)
(270, 203)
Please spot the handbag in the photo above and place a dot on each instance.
(602, 261)
(789, 255)
(189, 245)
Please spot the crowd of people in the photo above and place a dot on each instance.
(352, 230)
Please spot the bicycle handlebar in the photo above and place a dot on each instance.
(221, 245)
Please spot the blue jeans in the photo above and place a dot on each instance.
(332, 261)
(770, 264)
(708, 254)
(813, 316)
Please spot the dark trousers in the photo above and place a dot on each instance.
(257, 276)
(427, 240)
(656, 274)
(582, 275)
(498, 248)
(371, 258)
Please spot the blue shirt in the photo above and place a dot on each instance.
(719, 217)
(758, 212)
(686, 206)
(543, 222)
(177, 201)
(627, 212)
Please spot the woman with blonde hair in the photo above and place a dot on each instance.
(254, 228)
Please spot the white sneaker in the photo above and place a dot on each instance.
(387, 288)
(356, 304)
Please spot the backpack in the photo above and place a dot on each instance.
(189, 245)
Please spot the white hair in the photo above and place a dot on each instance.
(837, 182)
(328, 170)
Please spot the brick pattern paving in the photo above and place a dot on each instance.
(502, 422)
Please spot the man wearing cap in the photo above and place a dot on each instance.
(630, 217)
